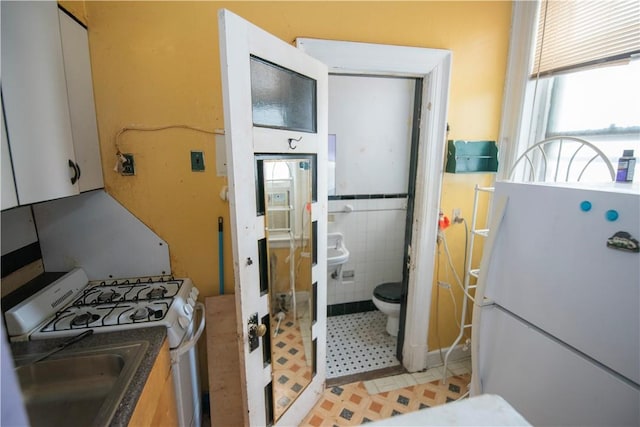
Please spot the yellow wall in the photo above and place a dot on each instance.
(302, 268)
(76, 8)
(457, 192)
(156, 63)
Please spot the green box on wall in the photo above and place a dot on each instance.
(472, 156)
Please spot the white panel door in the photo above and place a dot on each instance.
(239, 42)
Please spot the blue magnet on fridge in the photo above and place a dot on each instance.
(585, 206)
(612, 215)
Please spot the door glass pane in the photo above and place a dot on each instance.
(281, 98)
(263, 266)
(266, 341)
(268, 404)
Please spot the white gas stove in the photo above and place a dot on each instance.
(105, 306)
(72, 304)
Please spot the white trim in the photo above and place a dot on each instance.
(434, 67)
(518, 95)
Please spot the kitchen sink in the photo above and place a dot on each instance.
(81, 387)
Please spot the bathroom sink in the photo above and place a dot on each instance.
(337, 252)
(80, 387)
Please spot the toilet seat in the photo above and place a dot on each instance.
(389, 292)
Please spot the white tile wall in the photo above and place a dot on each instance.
(374, 235)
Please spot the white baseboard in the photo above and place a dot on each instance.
(433, 357)
(417, 359)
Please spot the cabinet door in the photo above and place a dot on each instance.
(36, 103)
(77, 67)
(9, 197)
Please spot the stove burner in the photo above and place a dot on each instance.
(84, 319)
(157, 293)
(141, 313)
(108, 296)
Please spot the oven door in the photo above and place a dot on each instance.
(186, 380)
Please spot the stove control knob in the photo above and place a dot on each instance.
(184, 322)
(188, 310)
(191, 302)
(194, 293)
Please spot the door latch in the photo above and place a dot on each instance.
(255, 331)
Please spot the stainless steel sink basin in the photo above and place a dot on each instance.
(78, 387)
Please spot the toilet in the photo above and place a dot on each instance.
(387, 298)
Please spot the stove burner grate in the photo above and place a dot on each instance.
(84, 319)
(156, 293)
(137, 281)
(108, 296)
(145, 313)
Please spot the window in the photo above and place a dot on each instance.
(600, 101)
(594, 98)
(599, 105)
(281, 98)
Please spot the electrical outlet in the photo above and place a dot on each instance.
(444, 285)
(457, 214)
(128, 168)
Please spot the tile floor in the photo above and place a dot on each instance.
(362, 402)
(359, 343)
(291, 367)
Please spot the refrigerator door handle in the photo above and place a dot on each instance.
(496, 223)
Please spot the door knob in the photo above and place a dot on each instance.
(255, 331)
(261, 330)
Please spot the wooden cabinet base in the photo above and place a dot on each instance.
(157, 403)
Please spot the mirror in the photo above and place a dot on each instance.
(286, 190)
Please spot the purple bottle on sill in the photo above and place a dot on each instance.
(626, 165)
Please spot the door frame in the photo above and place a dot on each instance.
(433, 66)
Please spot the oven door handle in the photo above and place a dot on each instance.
(189, 344)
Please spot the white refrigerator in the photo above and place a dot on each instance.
(556, 328)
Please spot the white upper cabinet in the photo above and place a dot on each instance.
(47, 124)
(77, 66)
(9, 197)
(35, 96)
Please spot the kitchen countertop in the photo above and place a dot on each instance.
(154, 336)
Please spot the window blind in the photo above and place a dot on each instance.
(581, 33)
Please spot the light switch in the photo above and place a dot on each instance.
(197, 161)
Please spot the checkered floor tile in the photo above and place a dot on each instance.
(359, 343)
(352, 405)
(291, 372)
